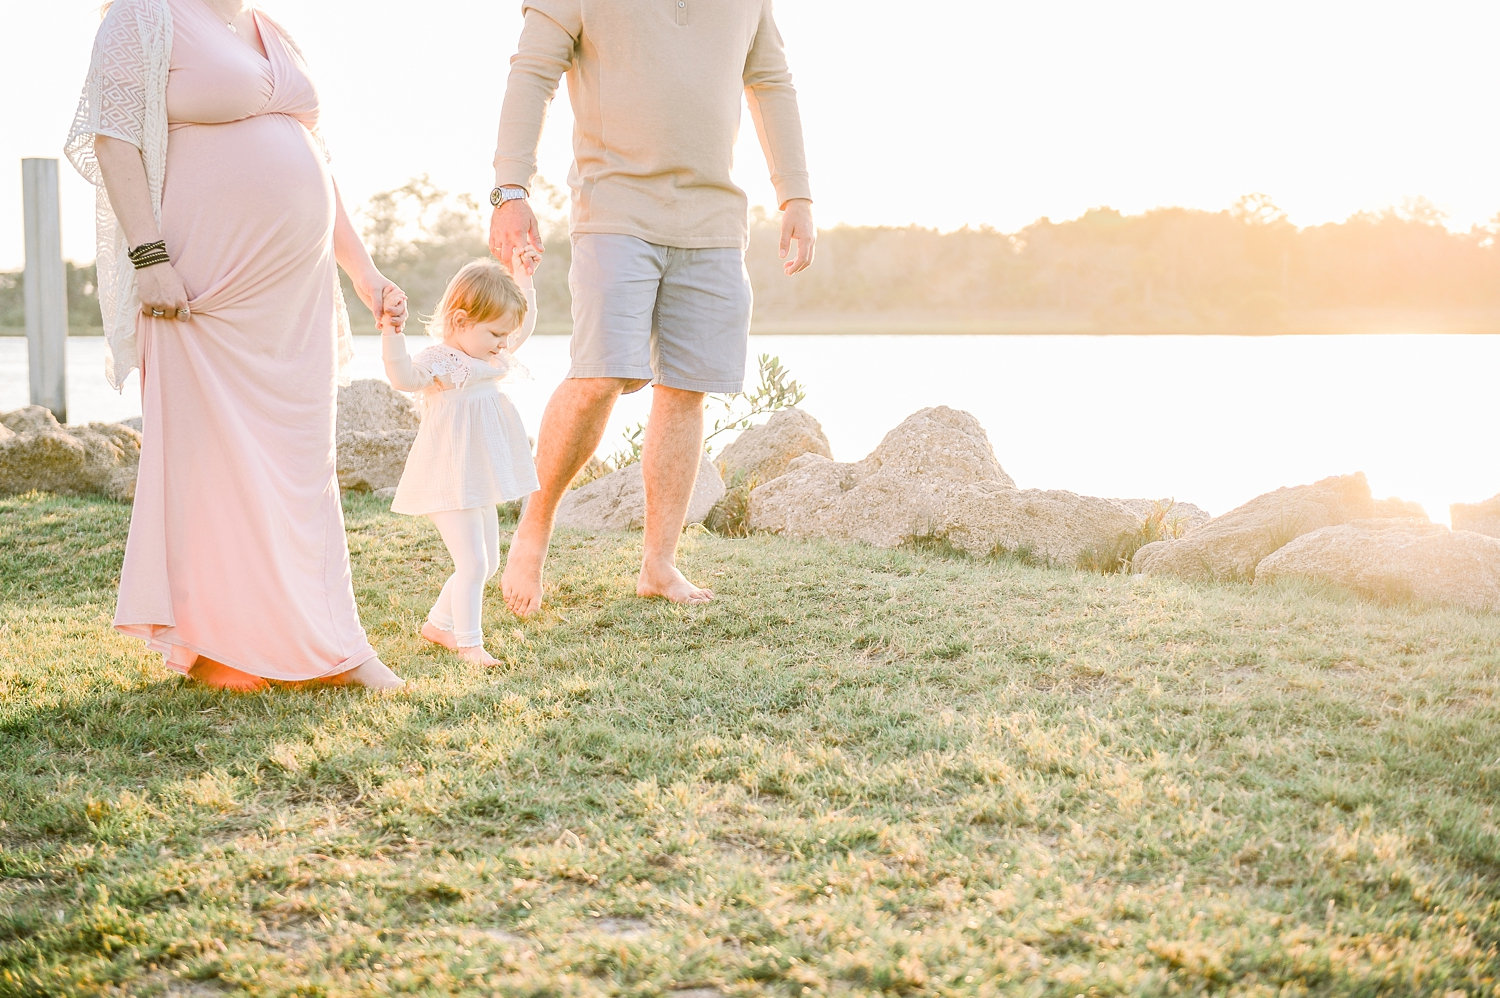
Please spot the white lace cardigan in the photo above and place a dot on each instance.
(125, 97)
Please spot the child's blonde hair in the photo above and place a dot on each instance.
(483, 291)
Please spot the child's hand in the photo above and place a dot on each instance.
(391, 310)
(523, 264)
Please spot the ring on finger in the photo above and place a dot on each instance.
(157, 313)
(183, 313)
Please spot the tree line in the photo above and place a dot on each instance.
(1245, 269)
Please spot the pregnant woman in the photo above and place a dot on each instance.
(220, 231)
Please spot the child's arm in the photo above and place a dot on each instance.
(403, 374)
(522, 265)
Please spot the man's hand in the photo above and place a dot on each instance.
(513, 229)
(797, 227)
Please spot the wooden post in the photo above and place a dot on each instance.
(46, 287)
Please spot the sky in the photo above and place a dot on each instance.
(971, 112)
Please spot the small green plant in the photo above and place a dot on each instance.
(1115, 556)
(775, 389)
(730, 517)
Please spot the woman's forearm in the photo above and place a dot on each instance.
(349, 250)
(124, 174)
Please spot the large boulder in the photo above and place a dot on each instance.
(1052, 526)
(373, 430)
(38, 453)
(1409, 559)
(1230, 546)
(1479, 517)
(618, 500)
(902, 491)
(763, 452)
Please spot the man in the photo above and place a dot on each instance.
(660, 293)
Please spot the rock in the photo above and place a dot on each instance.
(374, 430)
(136, 423)
(30, 419)
(1230, 546)
(1053, 526)
(901, 492)
(1399, 509)
(1407, 559)
(1479, 517)
(1178, 516)
(763, 452)
(38, 453)
(618, 500)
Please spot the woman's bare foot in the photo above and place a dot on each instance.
(476, 655)
(373, 675)
(222, 677)
(666, 582)
(438, 636)
(521, 582)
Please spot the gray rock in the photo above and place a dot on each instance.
(902, 491)
(30, 419)
(1050, 525)
(618, 500)
(136, 423)
(1232, 545)
(374, 430)
(38, 453)
(1479, 517)
(763, 452)
(1407, 559)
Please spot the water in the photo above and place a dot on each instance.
(1213, 420)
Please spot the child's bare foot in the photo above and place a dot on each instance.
(438, 636)
(373, 675)
(521, 582)
(476, 655)
(666, 582)
(223, 677)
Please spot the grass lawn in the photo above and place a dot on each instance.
(858, 772)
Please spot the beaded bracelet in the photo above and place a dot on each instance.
(149, 255)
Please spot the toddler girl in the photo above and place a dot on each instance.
(471, 450)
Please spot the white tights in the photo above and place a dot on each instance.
(473, 539)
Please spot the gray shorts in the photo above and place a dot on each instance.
(677, 317)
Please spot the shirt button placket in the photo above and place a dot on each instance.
(681, 11)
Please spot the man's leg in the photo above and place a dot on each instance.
(702, 324)
(571, 429)
(670, 458)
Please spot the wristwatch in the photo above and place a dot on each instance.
(500, 195)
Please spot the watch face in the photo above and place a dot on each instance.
(495, 197)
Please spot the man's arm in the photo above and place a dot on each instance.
(778, 123)
(542, 57)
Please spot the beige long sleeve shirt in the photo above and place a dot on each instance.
(655, 87)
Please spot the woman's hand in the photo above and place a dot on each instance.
(162, 293)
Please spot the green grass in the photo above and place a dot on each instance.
(858, 772)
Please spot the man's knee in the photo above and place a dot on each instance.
(678, 399)
(600, 388)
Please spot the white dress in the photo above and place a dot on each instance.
(471, 450)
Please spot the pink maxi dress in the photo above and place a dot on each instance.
(237, 549)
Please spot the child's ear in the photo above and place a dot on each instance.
(458, 318)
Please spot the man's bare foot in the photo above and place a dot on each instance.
(666, 582)
(476, 655)
(373, 675)
(521, 582)
(222, 677)
(438, 636)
